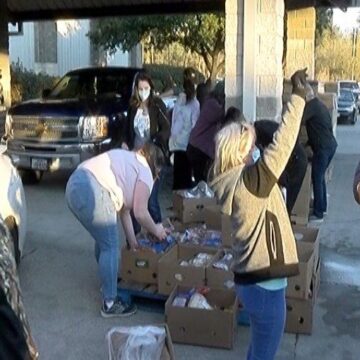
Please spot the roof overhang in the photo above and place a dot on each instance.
(26, 10)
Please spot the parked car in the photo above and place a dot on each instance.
(12, 204)
(82, 116)
(354, 87)
(347, 107)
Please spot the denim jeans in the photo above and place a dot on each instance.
(92, 206)
(267, 311)
(320, 162)
(153, 204)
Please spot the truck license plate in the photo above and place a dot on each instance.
(39, 164)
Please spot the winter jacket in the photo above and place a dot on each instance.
(264, 243)
(184, 118)
(159, 124)
(202, 135)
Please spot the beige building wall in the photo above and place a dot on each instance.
(269, 52)
(300, 50)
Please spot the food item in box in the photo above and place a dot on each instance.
(199, 235)
(150, 242)
(199, 260)
(201, 190)
(224, 263)
(198, 301)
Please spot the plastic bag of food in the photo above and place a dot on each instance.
(136, 343)
(199, 301)
(201, 190)
(200, 260)
(224, 263)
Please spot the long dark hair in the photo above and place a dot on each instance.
(154, 157)
(135, 100)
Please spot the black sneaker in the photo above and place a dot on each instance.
(118, 309)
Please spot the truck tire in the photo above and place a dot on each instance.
(13, 229)
(31, 177)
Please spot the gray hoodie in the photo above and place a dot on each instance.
(264, 242)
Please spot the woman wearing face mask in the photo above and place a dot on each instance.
(264, 245)
(147, 121)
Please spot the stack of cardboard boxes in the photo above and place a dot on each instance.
(302, 290)
(217, 327)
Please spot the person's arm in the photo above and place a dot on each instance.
(356, 186)
(128, 228)
(141, 212)
(260, 178)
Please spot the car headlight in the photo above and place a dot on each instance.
(94, 127)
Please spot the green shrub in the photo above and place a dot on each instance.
(26, 84)
(162, 75)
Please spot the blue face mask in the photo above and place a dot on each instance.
(255, 154)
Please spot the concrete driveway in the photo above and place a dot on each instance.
(61, 288)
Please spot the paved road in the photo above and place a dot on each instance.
(61, 288)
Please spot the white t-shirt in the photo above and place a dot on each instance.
(141, 127)
(118, 171)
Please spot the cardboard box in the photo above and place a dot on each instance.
(172, 274)
(214, 328)
(309, 235)
(117, 339)
(301, 209)
(139, 266)
(214, 219)
(300, 313)
(217, 278)
(299, 286)
(191, 210)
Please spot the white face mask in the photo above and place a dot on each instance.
(256, 154)
(144, 94)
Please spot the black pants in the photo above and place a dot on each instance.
(200, 163)
(296, 170)
(182, 171)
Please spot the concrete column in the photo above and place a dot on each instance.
(4, 54)
(135, 56)
(269, 52)
(300, 46)
(240, 47)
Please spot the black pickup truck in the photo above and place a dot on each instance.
(83, 115)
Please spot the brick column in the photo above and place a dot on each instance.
(269, 52)
(240, 56)
(4, 54)
(300, 45)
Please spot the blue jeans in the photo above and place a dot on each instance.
(92, 206)
(320, 162)
(267, 311)
(153, 204)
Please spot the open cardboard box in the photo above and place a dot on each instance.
(299, 286)
(218, 278)
(216, 220)
(214, 328)
(300, 312)
(191, 209)
(171, 273)
(139, 266)
(117, 338)
(309, 235)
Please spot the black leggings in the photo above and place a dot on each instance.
(200, 163)
(182, 171)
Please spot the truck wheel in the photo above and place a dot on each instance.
(31, 177)
(12, 227)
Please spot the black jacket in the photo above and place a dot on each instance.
(159, 124)
(318, 125)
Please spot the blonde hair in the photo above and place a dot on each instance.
(233, 145)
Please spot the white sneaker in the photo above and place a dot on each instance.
(315, 220)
